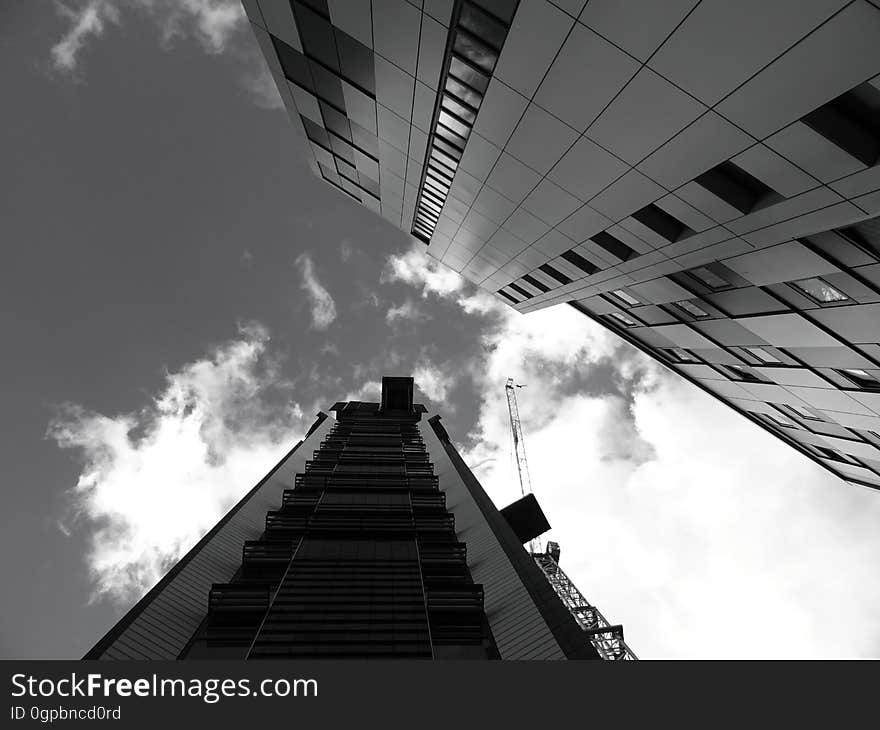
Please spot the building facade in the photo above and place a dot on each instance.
(370, 539)
(700, 176)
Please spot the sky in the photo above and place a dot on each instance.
(180, 296)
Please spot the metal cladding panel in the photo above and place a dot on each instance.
(648, 150)
(515, 620)
(161, 624)
(527, 619)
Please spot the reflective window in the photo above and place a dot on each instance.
(680, 354)
(692, 309)
(577, 260)
(622, 318)
(762, 354)
(802, 411)
(628, 298)
(781, 420)
(741, 372)
(709, 278)
(482, 25)
(613, 246)
(820, 290)
(555, 273)
(540, 286)
(861, 378)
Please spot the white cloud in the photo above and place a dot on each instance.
(88, 21)
(433, 382)
(323, 308)
(369, 392)
(417, 268)
(155, 480)
(701, 533)
(213, 23)
(408, 310)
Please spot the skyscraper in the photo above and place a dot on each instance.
(699, 176)
(371, 538)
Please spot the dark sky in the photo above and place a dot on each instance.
(152, 205)
(130, 197)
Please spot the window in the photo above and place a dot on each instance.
(862, 378)
(579, 261)
(741, 372)
(736, 187)
(820, 290)
(628, 298)
(507, 296)
(540, 286)
(850, 122)
(521, 291)
(761, 354)
(555, 273)
(613, 246)
(623, 319)
(780, 420)
(663, 224)
(709, 278)
(866, 235)
(692, 309)
(802, 411)
(680, 354)
(832, 454)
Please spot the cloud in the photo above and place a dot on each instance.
(415, 267)
(215, 25)
(433, 382)
(155, 480)
(677, 517)
(322, 304)
(408, 310)
(369, 392)
(88, 21)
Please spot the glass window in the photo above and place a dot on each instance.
(454, 106)
(803, 412)
(540, 286)
(628, 298)
(623, 319)
(820, 290)
(454, 124)
(471, 76)
(576, 259)
(862, 378)
(692, 309)
(680, 354)
(762, 354)
(709, 278)
(741, 372)
(463, 92)
(555, 273)
(781, 420)
(474, 50)
(482, 25)
(613, 246)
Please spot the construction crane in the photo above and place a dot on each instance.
(606, 638)
(519, 450)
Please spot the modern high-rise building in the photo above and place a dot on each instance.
(370, 539)
(700, 176)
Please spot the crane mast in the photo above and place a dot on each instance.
(519, 450)
(606, 638)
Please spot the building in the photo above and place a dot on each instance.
(370, 539)
(700, 176)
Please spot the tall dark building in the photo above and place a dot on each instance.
(371, 538)
(699, 176)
